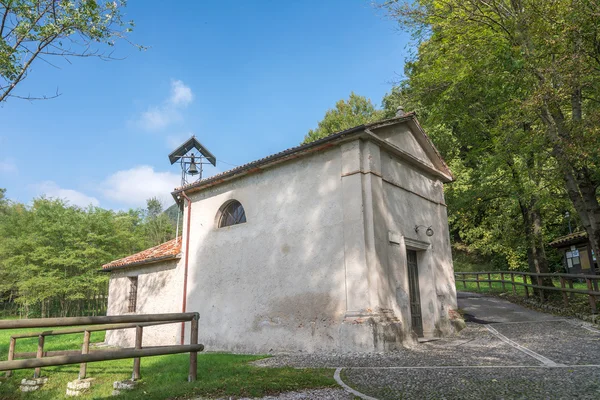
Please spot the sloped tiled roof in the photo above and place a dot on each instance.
(165, 251)
(572, 238)
(298, 151)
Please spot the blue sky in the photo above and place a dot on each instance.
(247, 78)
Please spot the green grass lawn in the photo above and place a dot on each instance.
(577, 303)
(163, 377)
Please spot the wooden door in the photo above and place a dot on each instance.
(415, 294)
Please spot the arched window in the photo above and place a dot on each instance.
(231, 213)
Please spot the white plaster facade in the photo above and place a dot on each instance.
(320, 264)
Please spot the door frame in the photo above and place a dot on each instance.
(414, 290)
(426, 283)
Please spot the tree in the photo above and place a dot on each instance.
(158, 224)
(51, 252)
(500, 170)
(357, 110)
(548, 54)
(46, 30)
(2, 199)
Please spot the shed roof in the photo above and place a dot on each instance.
(572, 238)
(170, 250)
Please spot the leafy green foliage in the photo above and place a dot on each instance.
(508, 91)
(48, 29)
(355, 111)
(174, 214)
(159, 226)
(51, 252)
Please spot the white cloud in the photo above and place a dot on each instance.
(159, 117)
(8, 166)
(134, 186)
(51, 189)
(181, 95)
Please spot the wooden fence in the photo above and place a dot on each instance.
(83, 356)
(565, 279)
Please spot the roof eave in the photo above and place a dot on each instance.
(568, 242)
(317, 145)
(143, 262)
(259, 165)
(409, 158)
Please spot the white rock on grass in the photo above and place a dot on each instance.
(34, 381)
(124, 385)
(78, 387)
(30, 385)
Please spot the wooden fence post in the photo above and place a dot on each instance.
(11, 353)
(464, 277)
(477, 275)
(193, 374)
(572, 295)
(490, 280)
(526, 288)
(502, 279)
(540, 282)
(564, 294)
(85, 349)
(40, 352)
(138, 345)
(512, 279)
(591, 296)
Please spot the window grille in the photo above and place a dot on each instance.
(133, 283)
(232, 213)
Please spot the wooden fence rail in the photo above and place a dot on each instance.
(98, 324)
(591, 281)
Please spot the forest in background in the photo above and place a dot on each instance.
(509, 92)
(51, 253)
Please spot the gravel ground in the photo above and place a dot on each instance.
(560, 341)
(477, 383)
(474, 364)
(314, 394)
(472, 346)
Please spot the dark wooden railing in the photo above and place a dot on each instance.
(564, 279)
(83, 356)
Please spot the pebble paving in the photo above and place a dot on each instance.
(481, 383)
(475, 364)
(315, 394)
(560, 341)
(473, 346)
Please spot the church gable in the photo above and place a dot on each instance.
(402, 137)
(409, 138)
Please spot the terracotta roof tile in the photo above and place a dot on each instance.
(573, 238)
(165, 251)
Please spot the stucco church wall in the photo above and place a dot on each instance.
(402, 137)
(320, 263)
(276, 282)
(412, 198)
(159, 291)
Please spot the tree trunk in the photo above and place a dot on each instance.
(536, 254)
(580, 186)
